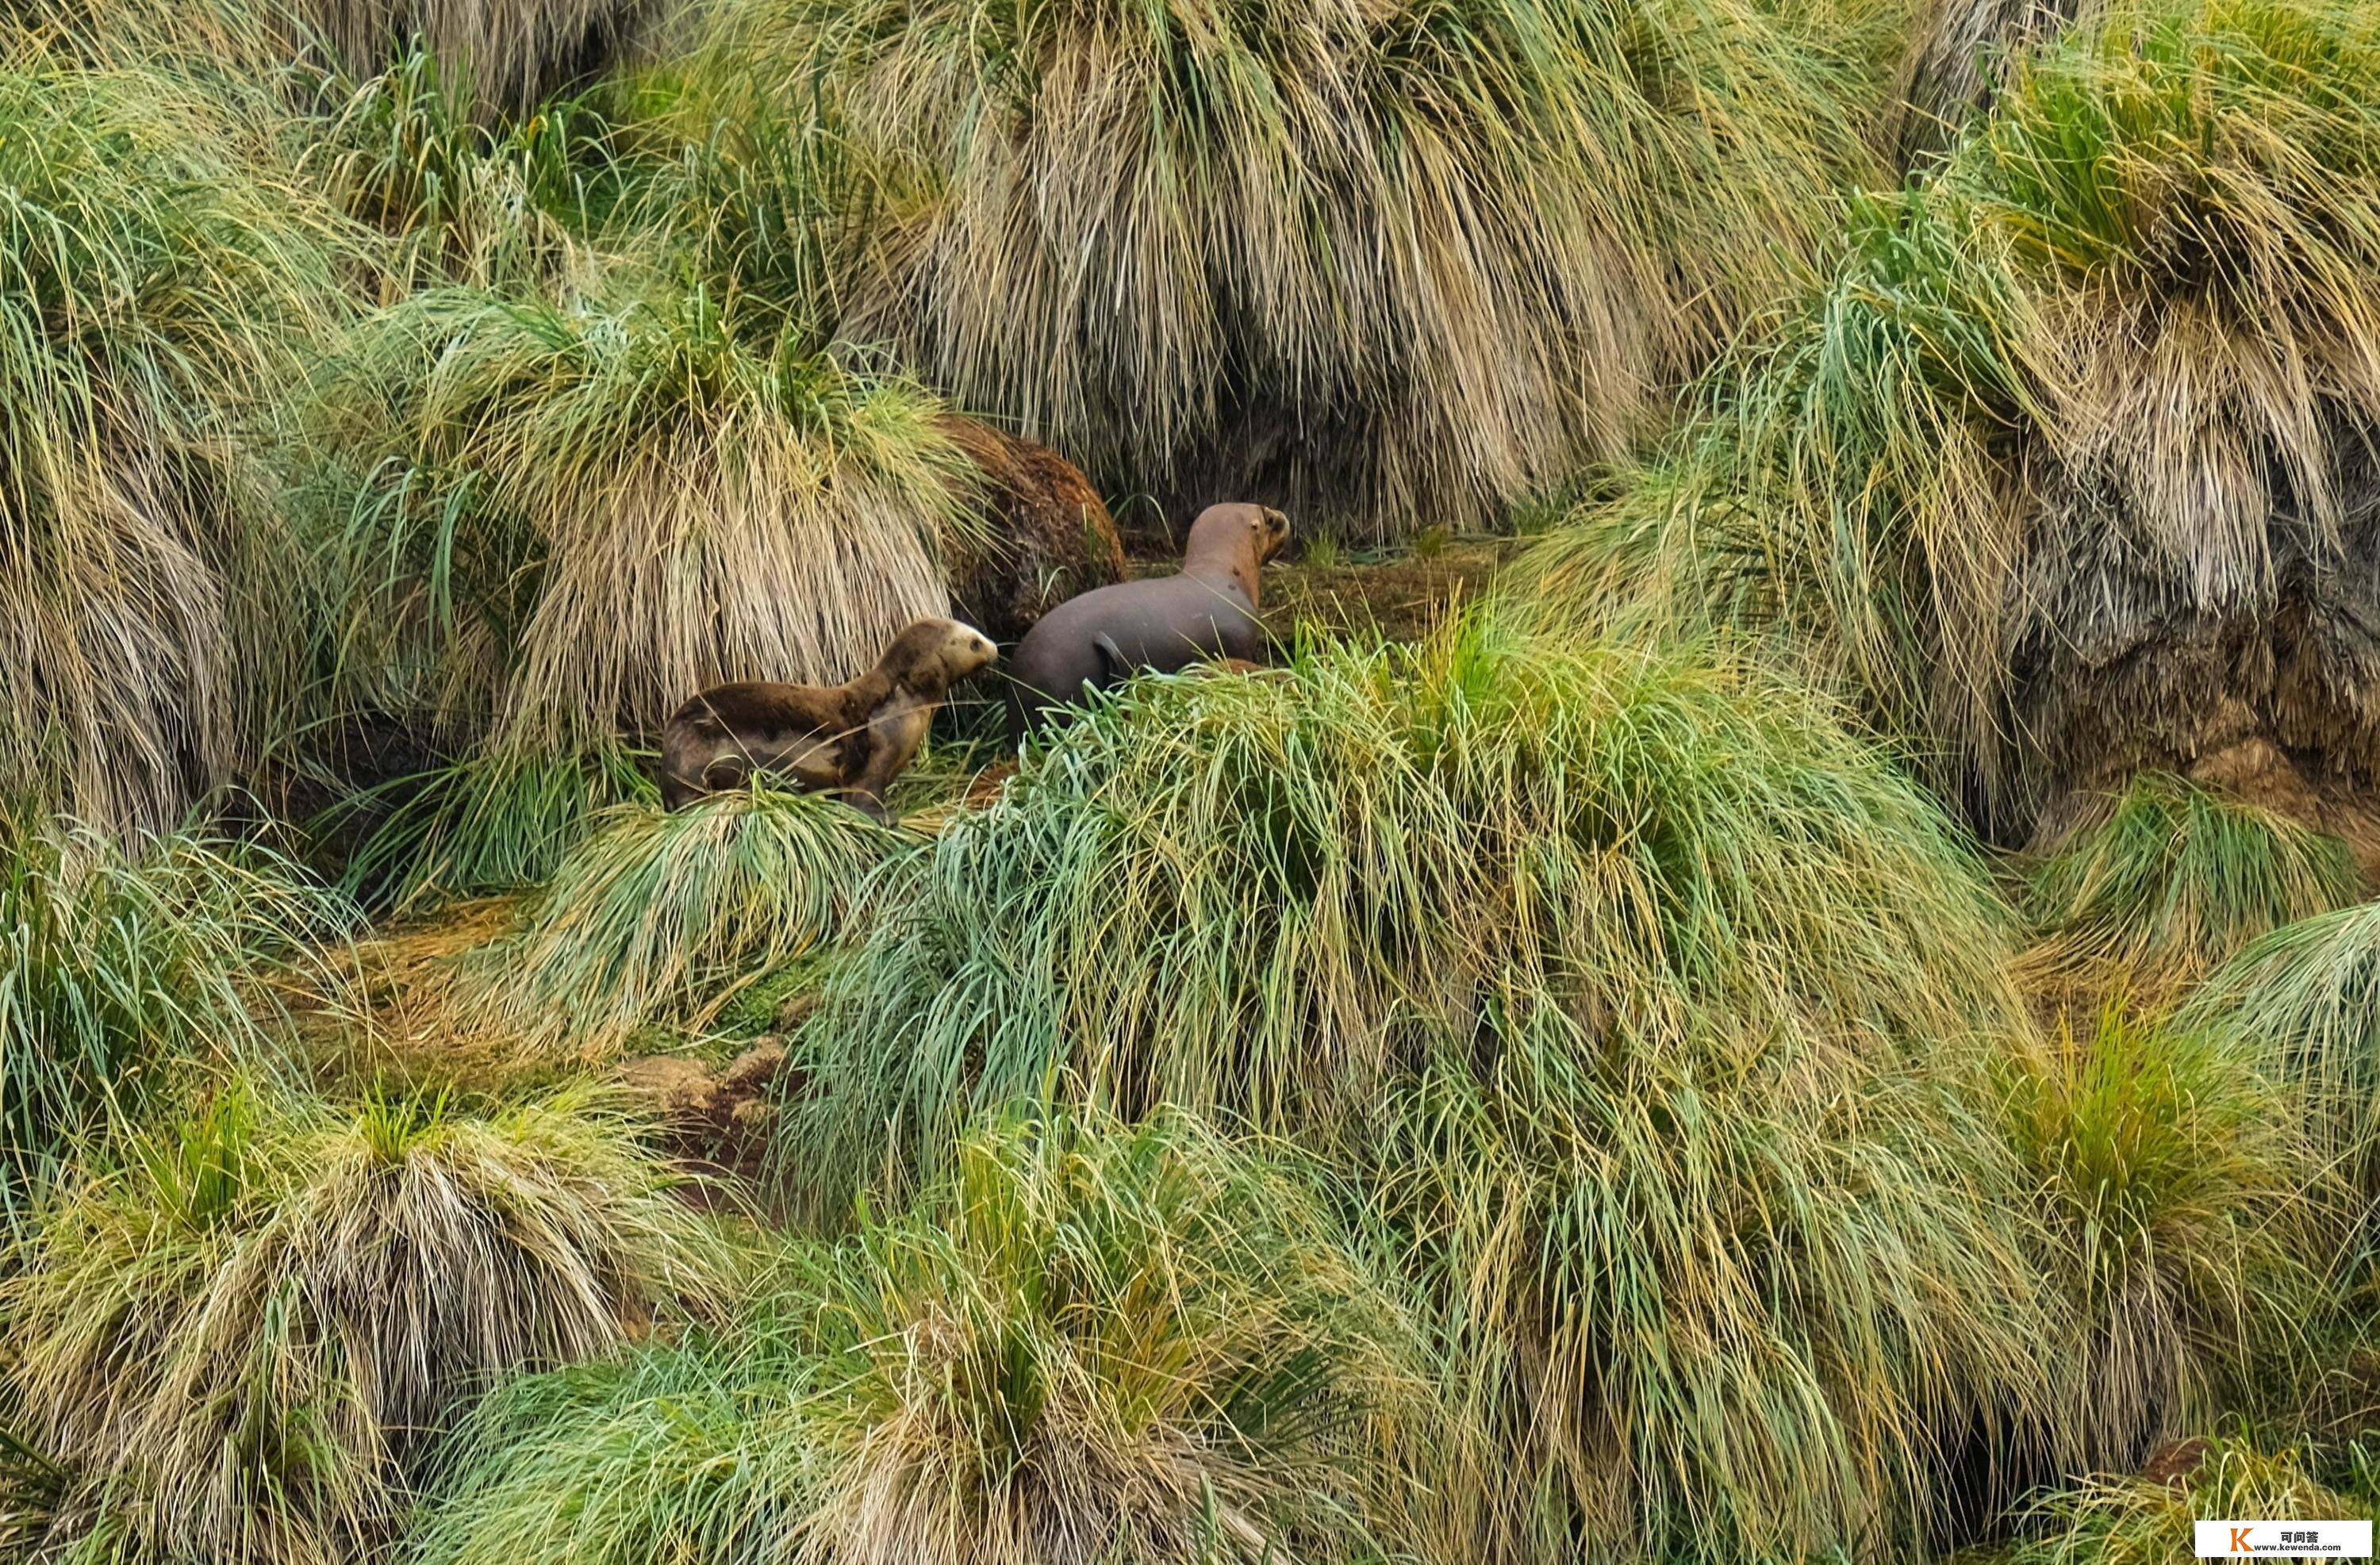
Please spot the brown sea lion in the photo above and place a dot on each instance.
(848, 739)
(1102, 638)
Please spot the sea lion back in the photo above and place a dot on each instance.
(723, 737)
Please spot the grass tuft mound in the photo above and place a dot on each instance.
(238, 1338)
(155, 287)
(2137, 1519)
(2059, 468)
(120, 965)
(1646, 1007)
(2309, 997)
(2171, 1175)
(1269, 896)
(2177, 879)
(1467, 240)
(663, 917)
(1089, 1344)
(588, 511)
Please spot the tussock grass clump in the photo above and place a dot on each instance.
(1952, 59)
(2173, 1177)
(515, 54)
(498, 821)
(1646, 1007)
(1088, 1343)
(598, 507)
(120, 964)
(154, 289)
(2058, 467)
(240, 1336)
(663, 917)
(402, 152)
(2138, 1520)
(1290, 887)
(1464, 244)
(2176, 879)
(2309, 996)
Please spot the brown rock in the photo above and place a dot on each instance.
(1052, 536)
(2175, 1463)
(754, 1072)
(2255, 771)
(716, 1118)
(678, 1089)
(985, 790)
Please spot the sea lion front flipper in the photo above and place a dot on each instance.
(1119, 667)
(725, 773)
(813, 764)
(868, 805)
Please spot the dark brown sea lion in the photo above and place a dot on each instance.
(849, 739)
(1051, 535)
(1100, 640)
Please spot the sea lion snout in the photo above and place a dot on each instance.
(1272, 527)
(939, 653)
(1237, 531)
(971, 652)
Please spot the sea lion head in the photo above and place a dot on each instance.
(1258, 529)
(933, 655)
(1273, 527)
